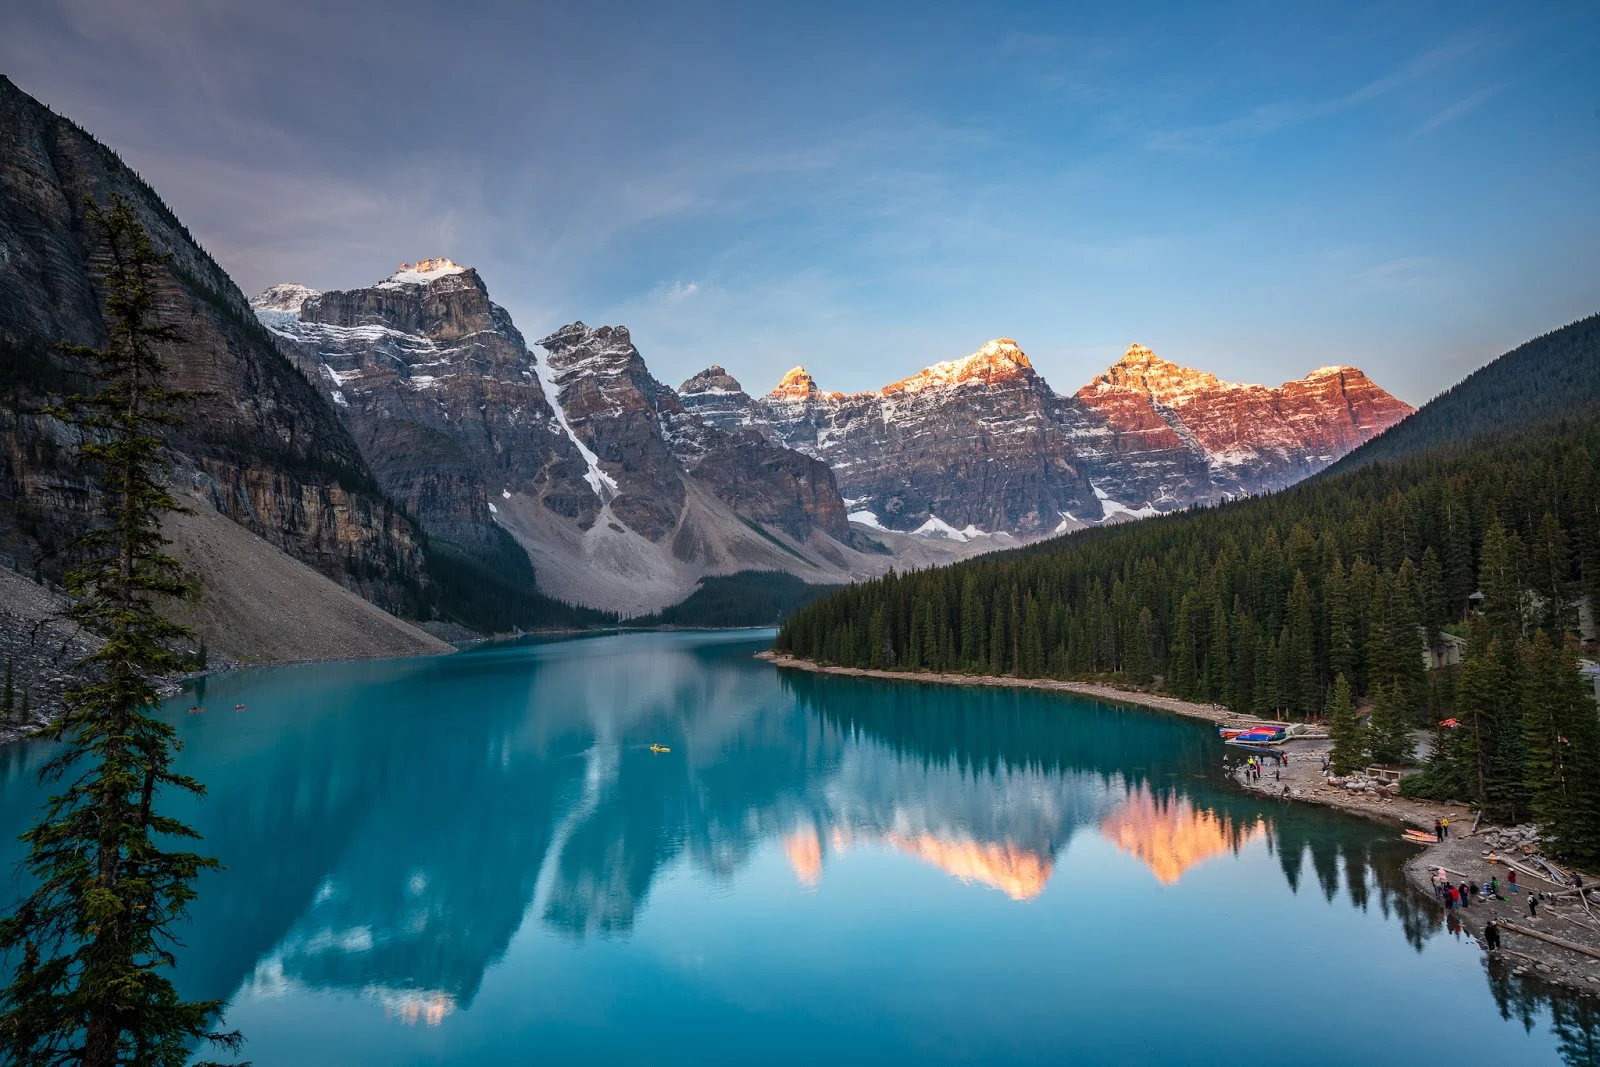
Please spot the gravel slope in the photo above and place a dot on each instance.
(260, 605)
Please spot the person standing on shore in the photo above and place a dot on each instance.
(1466, 896)
(1444, 828)
(1511, 879)
(1533, 905)
(1438, 830)
(1450, 898)
(1491, 935)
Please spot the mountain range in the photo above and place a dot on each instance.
(625, 492)
(405, 442)
(983, 444)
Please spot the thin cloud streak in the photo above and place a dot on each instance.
(1267, 119)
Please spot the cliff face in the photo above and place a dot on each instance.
(1252, 438)
(982, 444)
(644, 433)
(439, 391)
(258, 443)
(975, 442)
(573, 447)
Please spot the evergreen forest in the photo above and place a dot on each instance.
(1446, 587)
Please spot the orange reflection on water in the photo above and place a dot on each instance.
(1018, 872)
(424, 1007)
(1170, 835)
(804, 849)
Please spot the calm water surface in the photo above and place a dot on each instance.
(478, 859)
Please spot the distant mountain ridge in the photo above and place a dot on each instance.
(570, 452)
(983, 444)
(1554, 376)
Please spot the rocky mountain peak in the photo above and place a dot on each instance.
(423, 272)
(286, 297)
(796, 385)
(711, 380)
(1141, 370)
(578, 348)
(997, 361)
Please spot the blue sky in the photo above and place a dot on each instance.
(1255, 189)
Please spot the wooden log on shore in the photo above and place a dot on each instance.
(1559, 942)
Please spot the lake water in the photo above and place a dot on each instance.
(477, 859)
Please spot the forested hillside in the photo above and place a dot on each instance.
(1551, 377)
(1263, 604)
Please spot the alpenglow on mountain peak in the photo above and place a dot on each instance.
(423, 272)
(998, 360)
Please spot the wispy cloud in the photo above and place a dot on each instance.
(1270, 118)
(1461, 107)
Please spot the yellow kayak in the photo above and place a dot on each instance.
(659, 748)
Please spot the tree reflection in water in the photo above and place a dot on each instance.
(392, 829)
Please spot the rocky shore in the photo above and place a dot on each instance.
(1553, 946)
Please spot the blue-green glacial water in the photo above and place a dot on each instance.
(477, 859)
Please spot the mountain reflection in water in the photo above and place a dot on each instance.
(391, 830)
(1171, 835)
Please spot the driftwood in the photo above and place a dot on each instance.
(1476, 819)
(1509, 862)
(1559, 942)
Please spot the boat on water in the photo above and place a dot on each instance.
(659, 748)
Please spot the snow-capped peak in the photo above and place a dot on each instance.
(998, 360)
(286, 297)
(423, 272)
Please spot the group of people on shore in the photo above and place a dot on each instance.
(1462, 895)
(1255, 767)
(1441, 829)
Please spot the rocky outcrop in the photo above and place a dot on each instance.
(258, 443)
(440, 392)
(974, 444)
(573, 447)
(1251, 438)
(983, 444)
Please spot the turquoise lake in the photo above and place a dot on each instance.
(478, 859)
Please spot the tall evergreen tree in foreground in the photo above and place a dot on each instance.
(91, 944)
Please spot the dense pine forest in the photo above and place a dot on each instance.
(1335, 596)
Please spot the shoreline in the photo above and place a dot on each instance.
(1305, 783)
(1462, 854)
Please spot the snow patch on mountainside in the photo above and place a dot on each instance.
(937, 527)
(867, 518)
(1112, 508)
(604, 486)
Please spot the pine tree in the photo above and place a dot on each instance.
(1389, 727)
(1500, 581)
(1551, 566)
(1349, 750)
(1183, 671)
(1300, 675)
(1340, 641)
(1407, 672)
(95, 938)
(1561, 737)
